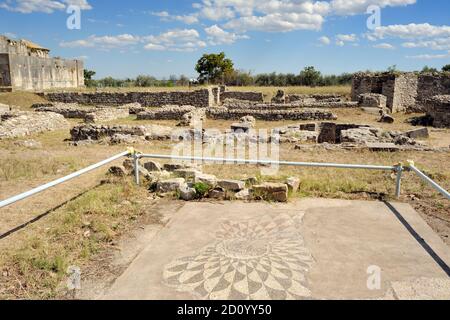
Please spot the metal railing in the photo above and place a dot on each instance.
(49, 185)
(398, 169)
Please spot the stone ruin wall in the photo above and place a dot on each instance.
(242, 95)
(200, 98)
(404, 91)
(439, 111)
(270, 115)
(16, 124)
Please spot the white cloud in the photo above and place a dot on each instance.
(218, 36)
(386, 46)
(175, 40)
(430, 56)
(324, 40)
(434, 44)
(278, 22)
(45, 6)
(187, 19)
(412, 31)
(104, 42)
(353, 7)
(347, 37)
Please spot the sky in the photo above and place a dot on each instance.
(166, 37)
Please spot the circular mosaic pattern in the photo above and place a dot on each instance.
(258, 259)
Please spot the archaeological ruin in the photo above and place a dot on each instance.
(27, 66)
(406, 91)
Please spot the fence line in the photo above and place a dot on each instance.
(398, 169)
(49, 185)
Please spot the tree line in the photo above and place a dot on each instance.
(218, 69)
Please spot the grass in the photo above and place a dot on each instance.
(35, 266)
(20, 100)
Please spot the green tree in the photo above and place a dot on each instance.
(213, 68)
(427, 69)
(88, 81)
(310, 76)
(446, 68)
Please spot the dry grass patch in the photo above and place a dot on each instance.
(35, 264)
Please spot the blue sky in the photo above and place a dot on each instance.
(161, 38)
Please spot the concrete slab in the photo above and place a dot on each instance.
(309, 249)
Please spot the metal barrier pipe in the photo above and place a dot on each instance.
(285, 163)
(27, 194)
(398, 185)
(427, 179)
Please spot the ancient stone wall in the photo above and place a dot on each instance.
(238, 95)
(270, 115)
(20, 124)
(35, 73)
(403, 91)
(430, 85)
(244, 105)
(165, 113)
(439, 110)
(88, 114)
(201, 98)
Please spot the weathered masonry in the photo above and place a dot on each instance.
(199, 98)
(403, 91)
(28, 66)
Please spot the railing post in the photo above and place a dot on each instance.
(136, 168)
(398, 185)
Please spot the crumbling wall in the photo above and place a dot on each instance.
(439, 110)
(200, 98)
(270, 115)
(405, 93)
(241, 95)
(165, 113)
(430, 85)
(20, 124)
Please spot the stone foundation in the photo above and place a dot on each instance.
(238, 95)
(200, 98)
(245, 105)
(165, 113)
(89, 114)
(270, 115)
(21, 124)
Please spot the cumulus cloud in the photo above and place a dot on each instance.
(386, 46)
(187, 19)
(412, 31)
(324, 40)
(342, 39)
(430, 56)
(434, 44)
(175, 40)
(103, 42)
(218, 36)
(45, 6)
(353, 7)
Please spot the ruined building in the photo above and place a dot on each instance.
(404, 91)
(28, 66)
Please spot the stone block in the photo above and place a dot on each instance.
(277, 192)
(231, 185)
(170, 185)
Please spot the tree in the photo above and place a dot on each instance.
(427, 69)
(310, 76)
(88, 81)
(213, 68)
(446, 68)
